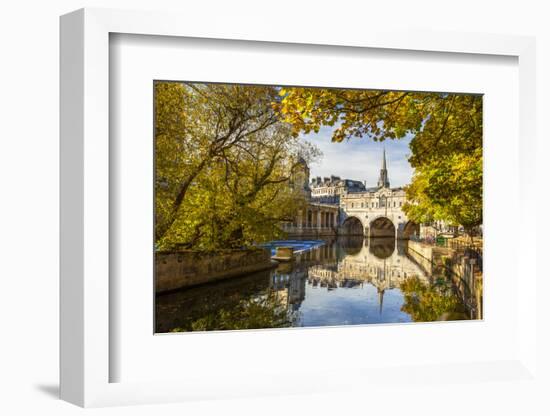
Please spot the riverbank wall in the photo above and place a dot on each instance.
(182, 269)
(458, 266)
(422, 254)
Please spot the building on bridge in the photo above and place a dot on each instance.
(347, 207)
(321, 215)
(376, 212)
(329, 190)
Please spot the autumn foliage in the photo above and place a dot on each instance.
(225, 155)
(446, 149)
(223, 162)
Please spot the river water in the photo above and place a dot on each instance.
(346, 281)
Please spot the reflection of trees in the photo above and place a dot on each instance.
(265, 311)
(262, 300)
(180, 309)
(427, 303)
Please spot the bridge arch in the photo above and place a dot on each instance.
(410, 229)
(382, 227)
(352, 226)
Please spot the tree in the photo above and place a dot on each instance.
(450, 189)
(426, 303)
(446, 151)
(194, 125)
(223, 164)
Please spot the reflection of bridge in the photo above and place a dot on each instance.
(381, 263)
(346, 263)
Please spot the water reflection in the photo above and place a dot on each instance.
(343, 282)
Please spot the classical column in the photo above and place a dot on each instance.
(299, 218)
(319, 219)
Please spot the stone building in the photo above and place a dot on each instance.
(378, 211)
(348, 207)
(319, 218)
(300, 178)
(328, 190)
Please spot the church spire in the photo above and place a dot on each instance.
(383, 181)
(380, 300)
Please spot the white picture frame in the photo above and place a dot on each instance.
(85, 212)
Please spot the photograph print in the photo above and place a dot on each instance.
(287, 206)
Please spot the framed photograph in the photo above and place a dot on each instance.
(254, 229)
(286, 213)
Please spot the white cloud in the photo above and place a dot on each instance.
(361, 158)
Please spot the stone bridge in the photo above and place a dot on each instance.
(375, 213)
(348, 207)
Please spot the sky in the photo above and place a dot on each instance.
(361, 158)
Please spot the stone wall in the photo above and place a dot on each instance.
(456, 265)
(468, 280)
(421, 254)
(181, 269)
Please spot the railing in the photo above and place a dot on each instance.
(294, 228)
(472, 249)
